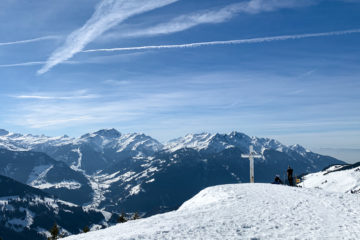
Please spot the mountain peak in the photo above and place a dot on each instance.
(108, 133)
(235, 133)
(113, 133)
(298, 148)
(3, 132)
(197, 135)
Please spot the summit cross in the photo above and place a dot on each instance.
(252, 154)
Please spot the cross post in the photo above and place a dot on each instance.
(252, 154)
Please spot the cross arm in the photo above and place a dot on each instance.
(251, 155)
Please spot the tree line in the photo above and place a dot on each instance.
(55, 231)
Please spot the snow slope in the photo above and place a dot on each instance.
(248, 211)
(338, 178)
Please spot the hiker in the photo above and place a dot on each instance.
(277, 180)
(290, 176)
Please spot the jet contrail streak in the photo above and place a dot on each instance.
(229, 42)
(21, 64)
(108, 14)
(29, 40)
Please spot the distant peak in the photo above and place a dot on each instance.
(3, 132)
(136, 134)
(235, 133)
(108, 133)
(298, 148)
(203, 134)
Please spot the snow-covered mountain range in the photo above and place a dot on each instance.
(89, 152)
(134, 172)
(110, 141)
(135, 144)
(218, 142)
(248, 211)
(337, 178)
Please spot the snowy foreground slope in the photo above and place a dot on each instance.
(244, 211)
(338, 178)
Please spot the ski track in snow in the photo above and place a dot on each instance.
(248, 211)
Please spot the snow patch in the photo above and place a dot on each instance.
(72, 185)
(38, 174)
(18, 224)
(77, 167)
(135, 190)
(151, 180)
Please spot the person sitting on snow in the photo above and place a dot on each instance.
(277, 180)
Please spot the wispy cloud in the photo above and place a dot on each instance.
(256, 6)
(80, 94)
(230, 42)
(108, 14)
(93, 60)
(39, 97)
(40, 114)
(113, 82)
(187, 21)
(30, 40)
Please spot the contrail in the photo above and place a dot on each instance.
(229, 42)
(29, 40)
(21, 64)
(108, 14)
(25, 64)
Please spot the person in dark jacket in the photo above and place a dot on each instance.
(290, 176)
(277, 180)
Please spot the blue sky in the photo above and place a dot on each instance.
(279, 79)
